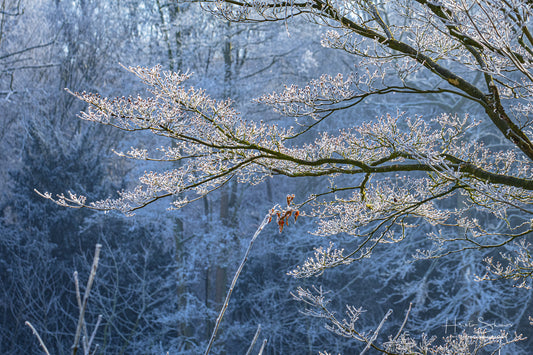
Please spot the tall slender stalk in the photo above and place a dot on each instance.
(234, 282)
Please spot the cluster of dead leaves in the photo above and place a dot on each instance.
(284, 214)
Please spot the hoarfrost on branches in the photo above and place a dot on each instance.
(462, 183)
(214, 144)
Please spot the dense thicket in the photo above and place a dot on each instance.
(163, 275)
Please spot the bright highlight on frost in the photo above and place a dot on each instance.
(214, 144)
(389, 177)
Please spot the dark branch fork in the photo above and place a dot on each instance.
(333, 167)
(490, 100)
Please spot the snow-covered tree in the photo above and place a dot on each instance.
(45, 46)
(455, 184)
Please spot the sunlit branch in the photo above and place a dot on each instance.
(491, 102)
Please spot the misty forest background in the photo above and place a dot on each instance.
(163, 275)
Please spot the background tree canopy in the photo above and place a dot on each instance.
(400, 130)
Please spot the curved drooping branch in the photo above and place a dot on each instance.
(216, 145)
(419, 164)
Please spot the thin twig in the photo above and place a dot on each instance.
(376, 332)
(404, 321)
(89, 344)
(38, 337)
(77, 288)
(254, 340)
(235, 277)
(83, 305)
(262, 347)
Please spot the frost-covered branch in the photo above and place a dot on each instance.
(403, 343)
(215, 144)
(491, 37)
